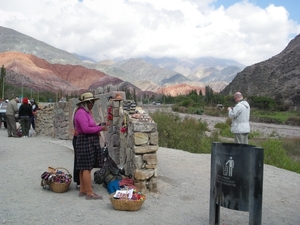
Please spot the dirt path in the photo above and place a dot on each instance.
(183, 190)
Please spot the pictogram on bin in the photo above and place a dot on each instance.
(236, 180)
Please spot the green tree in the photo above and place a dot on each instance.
(208, 95)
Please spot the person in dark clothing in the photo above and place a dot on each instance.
(35, 108)
(75, 171)
(25, 114)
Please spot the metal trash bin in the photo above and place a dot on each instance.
(236, 180)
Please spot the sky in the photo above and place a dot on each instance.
(247, 31)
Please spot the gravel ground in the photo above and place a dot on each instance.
(182, 198)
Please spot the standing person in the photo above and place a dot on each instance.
(75, 171)
(240, 115)
(11, 110)
(25, 114)
(87, 144)
(34, 111)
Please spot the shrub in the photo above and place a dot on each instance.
(182, 109)
(293, 120)
(193, 110)
(292, 147)
(275, 154)
(186, 133)
(224, 129)
(175, 108)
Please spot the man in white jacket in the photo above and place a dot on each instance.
(240, 115)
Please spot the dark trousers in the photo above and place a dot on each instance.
(25, 125)
(32, 122)
(75, 172)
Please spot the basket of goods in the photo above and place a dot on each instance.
(58, 179)
(127, 200)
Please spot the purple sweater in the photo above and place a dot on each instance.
(84, 123)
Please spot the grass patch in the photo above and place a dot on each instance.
(224, 130)
(292, 146)
(275, 116)
(187, 134)
(276, 155)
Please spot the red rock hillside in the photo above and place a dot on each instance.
(30, 71)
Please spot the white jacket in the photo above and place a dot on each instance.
(240, 116)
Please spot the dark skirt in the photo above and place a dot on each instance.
(88, 152)
(75, 171)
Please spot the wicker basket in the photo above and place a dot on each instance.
(60, 187)
(126, 204)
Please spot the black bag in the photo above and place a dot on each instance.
(109, 170)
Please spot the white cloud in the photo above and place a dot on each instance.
(156, 28)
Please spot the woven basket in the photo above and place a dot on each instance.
(59, 187)
(126, 204)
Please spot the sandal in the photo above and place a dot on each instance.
(93, 197)
(81, 194)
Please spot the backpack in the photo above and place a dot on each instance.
(109, 171)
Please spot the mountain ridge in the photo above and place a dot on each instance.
(139, 69)
(277, 77)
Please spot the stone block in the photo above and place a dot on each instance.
(155, 173)
(116, 121)
(116, 112)
(130, 168)
(138, 161)
(144, 127)
(150, 159)
(140, 138)
(146, 166)
(141, 186)
(145, 149)
(152, 185)
(143, 174)
(153, 138)
(116, 104)
(116, 140)
(123, 156)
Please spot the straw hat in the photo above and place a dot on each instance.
(87, 96)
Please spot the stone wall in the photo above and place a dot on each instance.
(44, 122)
(132, 136)
(133, 141)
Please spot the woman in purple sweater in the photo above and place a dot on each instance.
(87, 144)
